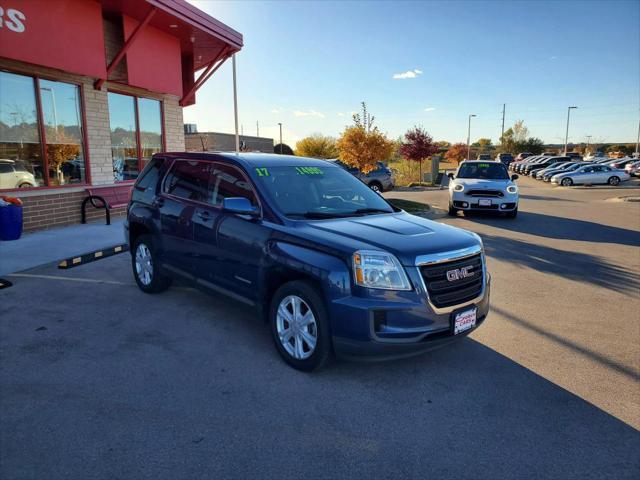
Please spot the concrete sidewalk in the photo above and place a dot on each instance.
(47, 246)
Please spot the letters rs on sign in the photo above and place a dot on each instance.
(12, 19)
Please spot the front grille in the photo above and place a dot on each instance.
(485, 193)
(453, 288)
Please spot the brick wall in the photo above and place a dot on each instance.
(59, 209)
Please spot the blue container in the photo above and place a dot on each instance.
(10, 222)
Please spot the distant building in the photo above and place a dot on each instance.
(224, 142)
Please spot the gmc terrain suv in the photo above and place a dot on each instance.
(330, 264)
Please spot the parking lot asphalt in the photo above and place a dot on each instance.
(98, 380)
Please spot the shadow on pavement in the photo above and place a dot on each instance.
(577, 266)
(545, 198)
(612, 364)
(561, 228)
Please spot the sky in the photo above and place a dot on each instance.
(309, 65)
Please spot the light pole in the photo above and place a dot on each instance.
(280, 125)
(469, 137)
(55, 110)
(586, 150)
(638, 139)
(566, 136)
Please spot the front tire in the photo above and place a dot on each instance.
(513, 214)
(566, 182)
(300, 326)
(613, 181)
(453, 212)
(146, 268)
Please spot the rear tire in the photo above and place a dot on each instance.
(613, 181)
(566, 182)
(292, 331)
(145, 265)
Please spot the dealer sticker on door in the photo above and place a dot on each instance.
(464, 321)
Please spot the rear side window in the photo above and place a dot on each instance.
(188, 179)
(6, 168)
(150, 176)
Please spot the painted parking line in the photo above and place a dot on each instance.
(92, 256)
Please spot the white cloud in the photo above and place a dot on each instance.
(308, 113)
(340, 114)
(408, 74)
(277, 110)
(553, 58)
(429, 109)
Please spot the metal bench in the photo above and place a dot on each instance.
(112, 196)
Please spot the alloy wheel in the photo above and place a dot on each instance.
(144, 264)
(296, 327)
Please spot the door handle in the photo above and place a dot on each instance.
(204, 215)
(159, 202)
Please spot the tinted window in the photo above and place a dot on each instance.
(151, 174)
(6, 168)
(188, 179)
(227, 182)
(489, 170)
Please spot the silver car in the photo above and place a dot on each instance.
(592, 174)
(483, 186)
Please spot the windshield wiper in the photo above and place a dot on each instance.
(317, 215)
(371, 210)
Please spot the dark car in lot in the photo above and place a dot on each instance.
(330, 264)
(533, 168)
(380, 179)
(505, 158)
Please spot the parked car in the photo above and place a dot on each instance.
(622, 162)
(14, 175)
(543, 163)
(556, 167)
(571, 167)
(521, 156)
(633, 168)
(592, 175)
(484, 156)
(483, 186)
(330, 264)
(574, 156)
(505, 158)
(382, 179)
(594, 156)
(517, 166)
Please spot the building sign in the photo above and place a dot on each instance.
(62, 34)
(12, 19)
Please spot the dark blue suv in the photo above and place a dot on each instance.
(330, 264)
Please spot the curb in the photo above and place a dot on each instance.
(92, 256)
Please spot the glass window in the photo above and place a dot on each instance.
(188, 179)
(122, 123)
(19, 134)
(63, 132)
(131, 120)
(150, 128)
(228, 182)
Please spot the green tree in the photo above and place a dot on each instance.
(317, 146)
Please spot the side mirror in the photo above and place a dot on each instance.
(239, 206)
(514, 176)
(451, 176)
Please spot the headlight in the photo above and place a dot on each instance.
(512, 189)
(376, 269)
(458, 187)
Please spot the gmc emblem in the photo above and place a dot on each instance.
(460, 273)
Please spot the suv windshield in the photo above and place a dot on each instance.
(488, 171)
(319, 192)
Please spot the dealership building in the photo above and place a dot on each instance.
(90, 89)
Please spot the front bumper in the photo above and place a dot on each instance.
(461, 201)
(407, 324)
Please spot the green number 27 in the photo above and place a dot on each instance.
(262, 172)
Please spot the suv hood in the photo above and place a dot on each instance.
(404, 235)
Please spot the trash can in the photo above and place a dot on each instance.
(10, 222)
